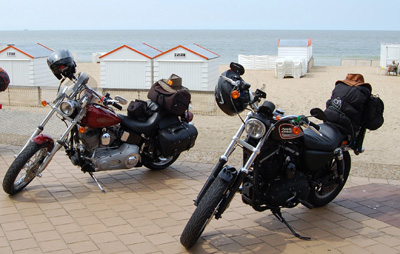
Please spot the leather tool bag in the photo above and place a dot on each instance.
(176, 103)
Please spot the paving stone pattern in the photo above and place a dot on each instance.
(145, 211)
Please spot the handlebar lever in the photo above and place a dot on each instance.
(315, 130)
(308, 124)
(229, 80)
(261, 94)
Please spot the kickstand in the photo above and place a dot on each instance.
(97, 182)
(278, 215)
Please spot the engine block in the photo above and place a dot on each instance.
(124, 157)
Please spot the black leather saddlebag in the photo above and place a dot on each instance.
(177, 138)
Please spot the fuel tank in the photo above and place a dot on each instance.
(286, 131)
(98, 116)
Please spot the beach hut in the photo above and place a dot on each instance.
(27, 65)
(128, 67)
(296, 53)
(198, 66)
(389, 53)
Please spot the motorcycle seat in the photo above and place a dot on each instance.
(145, 127)
(330, 140)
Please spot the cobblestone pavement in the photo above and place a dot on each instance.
(145, 211)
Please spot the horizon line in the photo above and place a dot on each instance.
(198, 29)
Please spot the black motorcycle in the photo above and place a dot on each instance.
(287, 159)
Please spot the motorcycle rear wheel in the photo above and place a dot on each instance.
(324, 195)
(23, 170)
(204, 212)
(160, 162)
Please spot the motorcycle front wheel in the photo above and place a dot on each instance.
(204, 212)
(23, 170)
(160, 162)
(330, 188)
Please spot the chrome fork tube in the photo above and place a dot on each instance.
(56, 147)
(235, 140)
(62, 139)
(40, 128)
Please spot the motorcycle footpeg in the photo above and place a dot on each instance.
(306, 204)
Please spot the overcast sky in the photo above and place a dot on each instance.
(200, 14)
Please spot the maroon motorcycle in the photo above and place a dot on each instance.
(97, 138)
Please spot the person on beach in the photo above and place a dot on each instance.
(392, 68)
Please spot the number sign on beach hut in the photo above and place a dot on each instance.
(27, 65)
(128, 67)
(197, 66)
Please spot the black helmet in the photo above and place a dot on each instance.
(4, 80)
(223, 96)
(61, 63)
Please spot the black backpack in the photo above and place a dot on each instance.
(346, 107)
(373, 113)
(352, 106)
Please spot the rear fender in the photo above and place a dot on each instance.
(42, 139)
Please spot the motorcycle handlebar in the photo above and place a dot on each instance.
(109, 101)
(116, 105)
(315, 126)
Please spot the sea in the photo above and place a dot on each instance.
(328, 46)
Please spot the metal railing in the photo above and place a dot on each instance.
(202, 102)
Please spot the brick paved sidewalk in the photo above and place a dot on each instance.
(145, 211)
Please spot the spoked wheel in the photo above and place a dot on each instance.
(331, 184)
(23, 170)
(204, 212)
(160, 162)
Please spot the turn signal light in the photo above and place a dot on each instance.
(296, 130)
(44, 103)
(81, 130)
(235, 94)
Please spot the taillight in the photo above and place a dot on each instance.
(189, 116)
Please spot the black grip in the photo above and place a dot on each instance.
(116, 105)
(315, 126)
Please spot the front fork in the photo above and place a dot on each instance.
(40, 128)
(61, 142)
(242, 173)
(222, 161)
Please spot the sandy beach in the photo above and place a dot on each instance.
(298, 96)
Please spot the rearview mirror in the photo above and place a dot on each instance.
(237, 68)
(121, 100)
(318, 113)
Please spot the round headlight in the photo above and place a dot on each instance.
(67, 107)
(255, 128)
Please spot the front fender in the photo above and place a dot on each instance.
(228, 173)
(42, 139)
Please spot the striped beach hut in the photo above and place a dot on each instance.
(128, 67)
(198, 66)
(27, 65)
